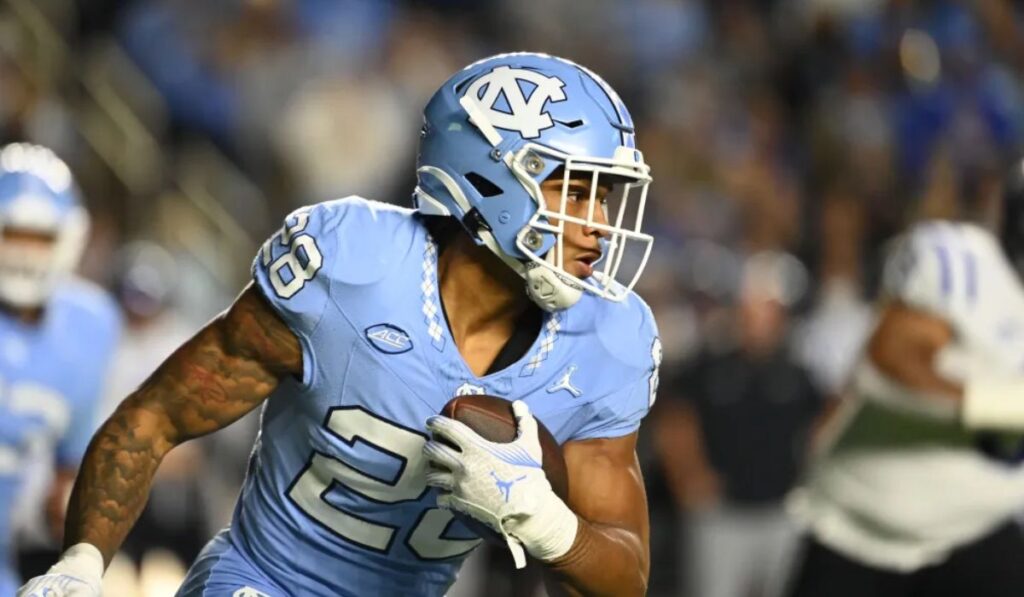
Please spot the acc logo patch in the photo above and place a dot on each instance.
(248, 592)
(514, 99)
(388, 338)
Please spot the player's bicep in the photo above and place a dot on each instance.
(905, 347)
(606, 488)
(252, 331)
(227, 369)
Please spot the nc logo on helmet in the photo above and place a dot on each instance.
(500, 94)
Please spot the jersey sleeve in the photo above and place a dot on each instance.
(291, 272)
(620, 411)
(934, 268)
(617, 414)
(94, 368)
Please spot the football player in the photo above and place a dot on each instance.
(56, 335)
(364, 320)
(915, 491)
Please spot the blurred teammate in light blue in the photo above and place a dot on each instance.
(364, 319)
(56, 334)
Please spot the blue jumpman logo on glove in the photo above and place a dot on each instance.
(505, 487)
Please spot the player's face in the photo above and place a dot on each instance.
(580, 243)
(762, 323)
(26, 252)
(28, 241)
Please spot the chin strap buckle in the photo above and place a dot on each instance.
(474, 222)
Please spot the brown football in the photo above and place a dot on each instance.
(492, 418)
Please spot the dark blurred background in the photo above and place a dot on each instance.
(789, 141)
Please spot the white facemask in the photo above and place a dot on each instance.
(29, 274)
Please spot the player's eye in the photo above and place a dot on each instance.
(578, 194)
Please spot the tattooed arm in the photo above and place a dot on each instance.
(226, 370)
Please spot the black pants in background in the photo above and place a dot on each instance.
(992, 566)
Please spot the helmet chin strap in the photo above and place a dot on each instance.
(545, 287)
(549, 290)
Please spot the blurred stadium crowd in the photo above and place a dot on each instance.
(789, 140)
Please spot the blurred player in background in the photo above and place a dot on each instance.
(733, 431)
(57, 335)
(364, 320)
(915, 491)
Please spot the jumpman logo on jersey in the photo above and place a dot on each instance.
(505, 487)
(565, 383)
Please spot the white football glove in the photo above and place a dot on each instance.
(501, 485)
(78, 573)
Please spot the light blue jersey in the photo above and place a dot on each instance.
(335, 501)
(51, 377)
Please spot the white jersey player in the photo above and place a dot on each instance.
(915, 489)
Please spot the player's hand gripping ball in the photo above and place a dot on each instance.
(497, 465)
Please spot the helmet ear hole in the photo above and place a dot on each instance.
(485, 187)
(571, 124)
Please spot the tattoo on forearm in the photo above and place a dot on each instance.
(223, 372)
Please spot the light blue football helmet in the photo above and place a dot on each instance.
(499, 128)
(37, 194)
